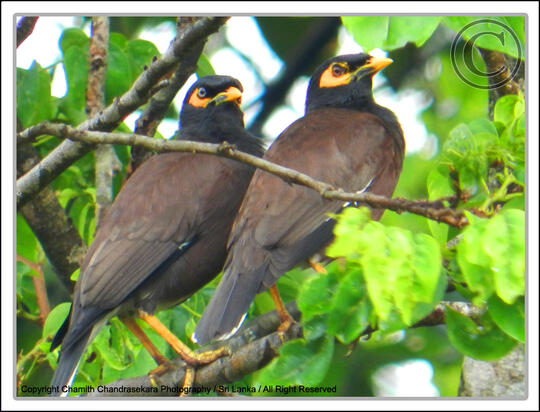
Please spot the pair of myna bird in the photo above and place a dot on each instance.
(182, 217)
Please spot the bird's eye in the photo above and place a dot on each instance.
(201, 92)
(338, 71)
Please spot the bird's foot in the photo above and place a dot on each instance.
(189, 356)
(162, 368)
(189, 378)
(204, 358)
(317, 267)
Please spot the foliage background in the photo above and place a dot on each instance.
(466, 153)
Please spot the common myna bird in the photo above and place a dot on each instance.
(165, 235)
(345, 139)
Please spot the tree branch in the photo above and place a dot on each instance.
(149, 120)
(25, 27)
(68, 152)
(497, 62)
(56, 233)
(428, 210)
(39, 286)
(107, 165)
(252, 348)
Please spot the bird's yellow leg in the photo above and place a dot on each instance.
(190, 357)
(284, 316)
(163, 363)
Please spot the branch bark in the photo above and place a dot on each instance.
(57, 235)
(432, 210)
(25, 27)
(68, 152)
(497, 62)
(107, 165)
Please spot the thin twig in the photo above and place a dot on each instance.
(442, 214)
(39, 286)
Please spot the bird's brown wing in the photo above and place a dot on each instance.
(347, 149)
(280, 224)
(155, 216)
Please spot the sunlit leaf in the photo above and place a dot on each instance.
(204, 67)
(390, 33)
(491, 255)
(499, 33)
(509, 318)
(56, 318)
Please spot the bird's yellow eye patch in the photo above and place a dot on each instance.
(197, 98)
(337, 74)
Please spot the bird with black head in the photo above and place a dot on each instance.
(165, 235)
(344, 139)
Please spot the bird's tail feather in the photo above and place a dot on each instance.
(68, 364)
(228, 306)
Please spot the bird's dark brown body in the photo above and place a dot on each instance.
(354, 145)
(165, 235)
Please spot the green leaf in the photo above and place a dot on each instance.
(509, 318)
(73, 37)
(508, 108)
(66, 195)
(418, 292)
(384, 264)
(75, 275)
(119, 40)
(104, 344)
(315, 327)
(300, 362)
(401, 270)
(491, 255)
(473, 261)
(34, 101)
(346, 241)
(350, 310)
(119, 77)
(409, 29)
(315, 295)
(26, 241)
(484, 342)
(505, 245)
(369, 32)
(483, 126)
(439, 185)
(390, 33)
(515, 203)
(401, 274)
(26, 292)
(503, 34)
(140, 53)
(76, 69)
(204, 67)
(56, 318)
